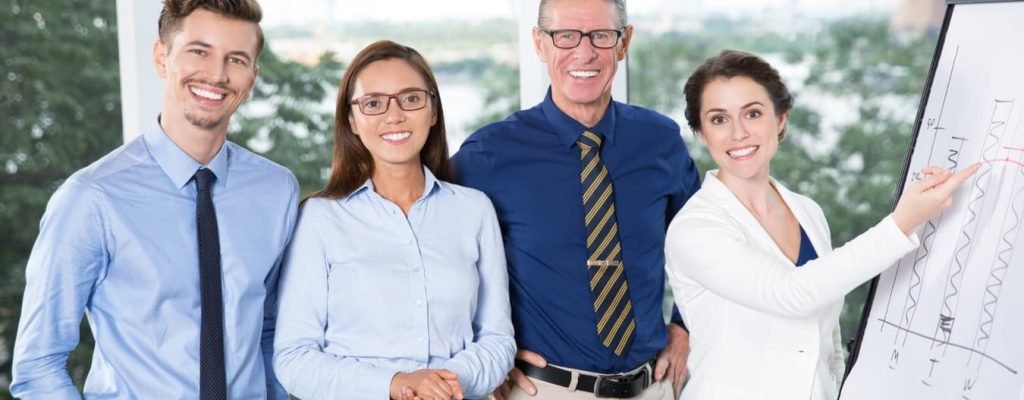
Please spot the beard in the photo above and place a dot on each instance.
(212, 121)
(208, 123)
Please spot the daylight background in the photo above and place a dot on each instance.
(857, 69)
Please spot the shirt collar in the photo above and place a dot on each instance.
(177, 164)
(430, 185)
(569, 130)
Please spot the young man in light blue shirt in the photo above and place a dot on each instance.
(170, 244)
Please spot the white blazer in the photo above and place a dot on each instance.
(760, 328)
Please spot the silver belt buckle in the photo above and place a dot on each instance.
(626, 378)
(597, 383)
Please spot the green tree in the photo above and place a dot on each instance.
(501, 95)
(59, 110)
(881, 75)
(291, 117)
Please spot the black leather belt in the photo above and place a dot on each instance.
(622, 386)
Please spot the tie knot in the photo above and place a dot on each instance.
(590, 140)
(204, 179)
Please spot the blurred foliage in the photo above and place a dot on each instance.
(290, 118)
(500, 84)
(880, 74)
(60, 110)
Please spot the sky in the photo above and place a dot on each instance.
(286, 12)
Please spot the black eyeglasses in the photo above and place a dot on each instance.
(570, 38)
(408, 100)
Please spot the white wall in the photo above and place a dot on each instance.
(141, 88)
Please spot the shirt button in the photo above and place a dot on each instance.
(420, 339)
(408, 241)
(419, 302)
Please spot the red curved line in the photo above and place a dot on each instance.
(1007, 160)
(1013, 148)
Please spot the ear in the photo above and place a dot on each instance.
(160, 58)
(627, 38)
(538, 44)
(352, 124)
(782, 126)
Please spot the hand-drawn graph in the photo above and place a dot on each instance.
(945, 321)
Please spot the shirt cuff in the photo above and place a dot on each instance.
(49, 393)
(463, 372)
(378, 382)
(902, 241)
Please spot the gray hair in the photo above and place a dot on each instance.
(620, 13)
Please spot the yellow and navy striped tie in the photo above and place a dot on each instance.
(615, 323)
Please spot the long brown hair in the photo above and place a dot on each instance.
(352, 164)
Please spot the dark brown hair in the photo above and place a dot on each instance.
(352, 163)
(729, 64)
(175, 11)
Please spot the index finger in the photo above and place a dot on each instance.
(439, 386)
(446, 374)
(661, 366)
(533, 358)
(956, 180)
(678, 378)
(456, 388)
(520, 379)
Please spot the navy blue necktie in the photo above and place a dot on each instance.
(212, 381)
(612, 305)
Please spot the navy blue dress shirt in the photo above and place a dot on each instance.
(529, 165)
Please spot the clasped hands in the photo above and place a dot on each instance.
(426, 384)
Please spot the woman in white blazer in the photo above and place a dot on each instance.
(760, 326)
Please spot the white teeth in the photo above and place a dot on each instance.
(206, 94)
(746, 151)
(395, 136)
(583, 74)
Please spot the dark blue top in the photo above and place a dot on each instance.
(529, 165)
(807, 252)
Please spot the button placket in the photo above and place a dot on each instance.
(414, 259)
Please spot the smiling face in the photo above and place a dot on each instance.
(740, 128)
(394, 138)
(209, 68)
(581, 77)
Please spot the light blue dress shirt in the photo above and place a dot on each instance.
(118, 242)
(367, 292)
